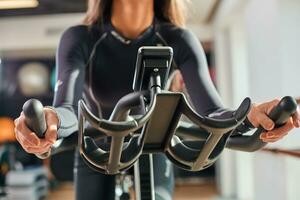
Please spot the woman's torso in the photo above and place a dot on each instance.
(109, 75)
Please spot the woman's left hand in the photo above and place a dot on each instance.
(258, 116)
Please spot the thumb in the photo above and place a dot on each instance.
(52, 123)
(51, 134)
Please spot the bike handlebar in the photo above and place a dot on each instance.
(35, 120)
(35, 117)
(279, 114)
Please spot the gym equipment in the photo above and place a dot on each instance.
(157, 127)
(28, 184)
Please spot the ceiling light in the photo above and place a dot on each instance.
(16, 4)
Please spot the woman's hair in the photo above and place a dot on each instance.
(173, 11)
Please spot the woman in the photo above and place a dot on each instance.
(96, 61)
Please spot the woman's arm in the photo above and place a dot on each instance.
(205, 98)
(193, 67)
(70, 65)
(68, 90)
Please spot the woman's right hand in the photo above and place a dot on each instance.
(30, 142)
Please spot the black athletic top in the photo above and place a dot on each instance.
(97, 64)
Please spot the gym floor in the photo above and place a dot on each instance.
(205, 191)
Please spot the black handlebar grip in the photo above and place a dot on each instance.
(35, 117)
(35, 120)
(282, 112)
(279, 114)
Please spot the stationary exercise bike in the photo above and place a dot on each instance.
(154, 127)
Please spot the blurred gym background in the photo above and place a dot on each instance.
(252, 47)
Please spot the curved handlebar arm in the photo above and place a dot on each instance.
(106, 126)
(126, 103)
(184, 152)
(203, 153)
(114, 160)
(129, 124)
(213, 125)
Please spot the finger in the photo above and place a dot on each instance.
(37, 150)
(20, 140)
(263, 135)
(271, 140)
(27, 137)
(31, 137)
(265, 121)
(269, 136)
(51, 134)
(23, 140)
(51, 117)
(22, 129)
(281, 131)
(257, 110)
(16, 134)
(52, 122)
(16, 121)
(296, 118)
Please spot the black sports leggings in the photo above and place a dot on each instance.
(93, 185)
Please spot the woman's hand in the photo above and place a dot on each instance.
(258, 116)
(28, 139)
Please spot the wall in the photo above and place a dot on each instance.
(43, 32)
(263, 46)
(34, 32)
